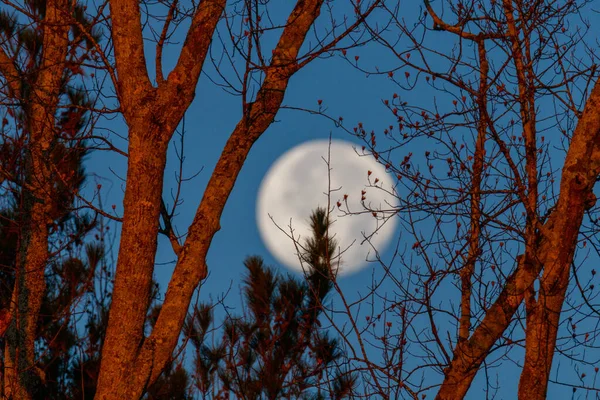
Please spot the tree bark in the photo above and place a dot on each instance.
(582, 167)
(555, 255)
(131, 362)
(21, 376)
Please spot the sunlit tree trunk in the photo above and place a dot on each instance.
(21, 377)
(130, 361)
(558, 241)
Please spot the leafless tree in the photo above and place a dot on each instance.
(152, 108)
(495, 182)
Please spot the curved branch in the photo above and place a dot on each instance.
(183, 78)
(555, 253)
(191, 266)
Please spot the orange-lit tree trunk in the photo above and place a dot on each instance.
(130, 361)
(152, 115)
(549, 247)
(500, 97)
(555, 255)
(20, 374)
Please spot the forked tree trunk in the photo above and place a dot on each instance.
(130, 361)
(555, 255)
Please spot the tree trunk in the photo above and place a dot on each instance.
(130, 361)
(555, 255)
(21, 376)
(133, 279)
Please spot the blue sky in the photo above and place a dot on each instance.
(210, 119)
(345, 92)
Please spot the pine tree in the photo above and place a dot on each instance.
(74, 310)
(70, 271)
(278, 348)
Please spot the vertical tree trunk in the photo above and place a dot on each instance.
(21, 376)
(130, 361)
(543, 314)
(133, 280)
(152, 115)
(555, 255)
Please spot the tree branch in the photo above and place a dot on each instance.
(191, 267)
(129, 54)
(184, 76)
(559, 238)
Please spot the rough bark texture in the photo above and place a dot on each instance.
(152, 115)
(475, 215)
(21, 377)
(131, 362)
(582, 168)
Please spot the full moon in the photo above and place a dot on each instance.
(298, 182)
